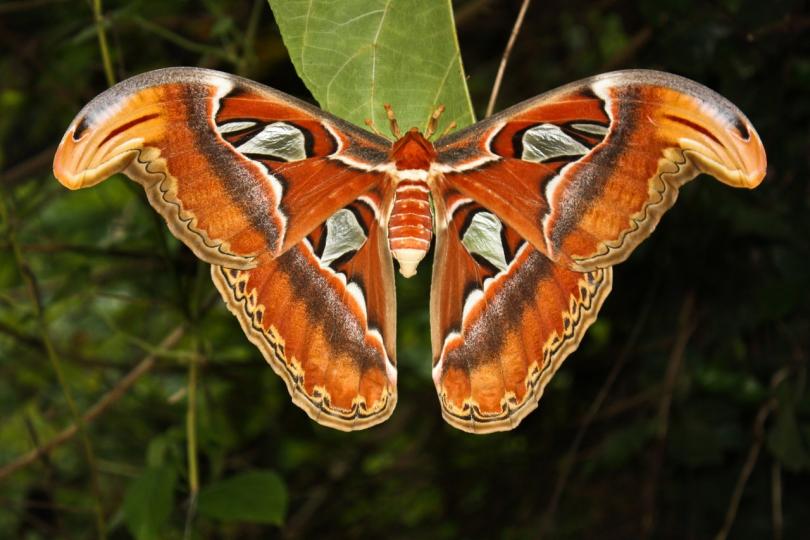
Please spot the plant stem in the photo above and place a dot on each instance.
(191, 428)
(98, 17)
(191, 440)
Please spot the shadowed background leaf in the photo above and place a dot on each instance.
(148, 502)
(255, 497)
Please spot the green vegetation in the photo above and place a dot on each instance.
(684, 413)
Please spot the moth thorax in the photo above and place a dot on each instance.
(410, 227)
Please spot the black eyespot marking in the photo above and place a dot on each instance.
(81, 127)
(742, 128)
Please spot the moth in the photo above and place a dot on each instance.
(300, 215)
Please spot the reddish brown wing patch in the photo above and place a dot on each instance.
(333, 347)
(493, 373)
(500, 332)
(585, 172)
(211, 150)
(250, 178)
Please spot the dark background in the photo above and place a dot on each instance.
(700, 352)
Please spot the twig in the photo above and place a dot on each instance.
(753, 454)
(116, 393)
(496, 88)
(748, 467)
(776, 499)
(629, 403)
(788, 24)
(547, 520)
(98, 17)
(686, 325)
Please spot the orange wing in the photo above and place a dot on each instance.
(585, 172)
(503, 317)
(285, 202)
(235, 168)
(323, 314)
(534, 205)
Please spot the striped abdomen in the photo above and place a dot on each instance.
(410, 226)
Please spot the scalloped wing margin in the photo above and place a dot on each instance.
(325, 322)
(503, 318)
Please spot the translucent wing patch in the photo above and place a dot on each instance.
(546, 142)
(323, 317)
(236, 169)
(585, 172)
(277, 140)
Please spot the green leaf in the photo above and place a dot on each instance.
(356, 55)
(148, 502)
(256, 496)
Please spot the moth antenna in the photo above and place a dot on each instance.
(392, 119)
(370, 123)
(434, 120)
(450, 127)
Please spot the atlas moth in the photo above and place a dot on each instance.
(300, 215)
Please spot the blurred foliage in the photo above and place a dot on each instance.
(114, 284)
